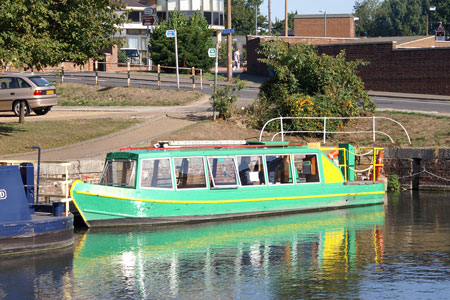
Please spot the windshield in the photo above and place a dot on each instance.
(119, 172)
(39, 81)
(131, 53)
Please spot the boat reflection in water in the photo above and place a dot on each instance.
(273, 257)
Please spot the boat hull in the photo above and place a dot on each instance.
(106, 206)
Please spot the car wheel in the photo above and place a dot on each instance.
(16, 108)
(42, 111)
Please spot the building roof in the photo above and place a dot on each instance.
(317, 16)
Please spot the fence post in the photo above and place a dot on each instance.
(62, 72)
(159, 76)
(201, 79)
(129, 74)
(96, 72)
(324, 130)
(373, 128)
(193, 78)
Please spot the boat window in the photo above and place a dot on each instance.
(119, 172)
(251, 170)
(190, 172)
(279, 169)
(222, 171)
(156, 173)
(306, 168)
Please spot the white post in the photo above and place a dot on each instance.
(128, 74)
(373, 128)
(176, 60)
(282, 132)
(324, 130)
(96, 72)
(149, 66)
(215, 77)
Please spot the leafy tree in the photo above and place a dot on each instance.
(41, 33)
(278, 25)
(306, 84)
(243, 16)
(193, 36)
(399, 17)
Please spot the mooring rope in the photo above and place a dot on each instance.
(425, 171)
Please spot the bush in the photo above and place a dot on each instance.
(225, 97)
(393, 183)
(306, 84)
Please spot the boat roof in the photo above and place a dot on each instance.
(193, 148)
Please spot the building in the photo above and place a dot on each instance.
(337, 25)
(134, 33)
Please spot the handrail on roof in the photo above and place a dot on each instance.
(324, 131)
(247, 145)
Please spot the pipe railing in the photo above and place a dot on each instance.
(324, 132)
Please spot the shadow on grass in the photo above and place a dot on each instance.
(9, 129)
(106, 88)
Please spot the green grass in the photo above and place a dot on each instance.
(71, 94)
(16, 138)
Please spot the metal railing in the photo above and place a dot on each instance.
(324, 132)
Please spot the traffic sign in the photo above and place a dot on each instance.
(227, 31)
(170, 33)
(149, 11)
(149, 20)
(212, 52)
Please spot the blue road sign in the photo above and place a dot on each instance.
(227, 31)
(170, 33)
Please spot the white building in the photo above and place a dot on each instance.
(134, 33)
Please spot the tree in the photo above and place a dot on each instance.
(399, 17)
(194, 38)
(43, 33)
(243, 16)
(278, 25)
(306, 84)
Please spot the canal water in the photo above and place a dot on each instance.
(394, 251)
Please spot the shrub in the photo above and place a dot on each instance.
(393, 183)
(306, 84)
(225, 97)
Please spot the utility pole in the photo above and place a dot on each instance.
(270, 21)
(286, 28)
(230, 45)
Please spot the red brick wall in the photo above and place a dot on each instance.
(408, 70)
(336, 27)
(422, 71)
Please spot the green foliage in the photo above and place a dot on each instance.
(194, 38)
(243, 16)
(278, 25)
(393, 183)
(399, 17)
(122, 57)
(44, 33)
(306, 84)
(225, 97)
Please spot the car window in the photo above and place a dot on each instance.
(4, 82)
(22, 83)
(39, 81)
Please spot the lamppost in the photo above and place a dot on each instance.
(324, 11)
(432, 8)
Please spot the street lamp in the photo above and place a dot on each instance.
(324, 11)
(432, 8)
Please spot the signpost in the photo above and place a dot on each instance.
(170, 34)
(215, 52)
(149, 19)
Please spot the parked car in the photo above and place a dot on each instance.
(132, 55)
(38, 94)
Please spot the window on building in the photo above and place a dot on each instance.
(251, 170)
(306, 168)
(190, 172)
(134, 42)
(222, 172)
(279, 169)
(119, 172)
(196, 5)
(172, 4)
(156, 173)
(135, 16)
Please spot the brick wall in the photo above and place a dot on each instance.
(403, 70)
(336, 27)
(422, 71)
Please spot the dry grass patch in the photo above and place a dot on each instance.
(15, 137)
(73, 94)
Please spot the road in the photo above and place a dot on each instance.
(248, 94)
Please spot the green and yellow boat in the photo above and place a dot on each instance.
(196, 181)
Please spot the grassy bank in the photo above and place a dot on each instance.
(424, 131)
(73, 94)
(16, 138)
